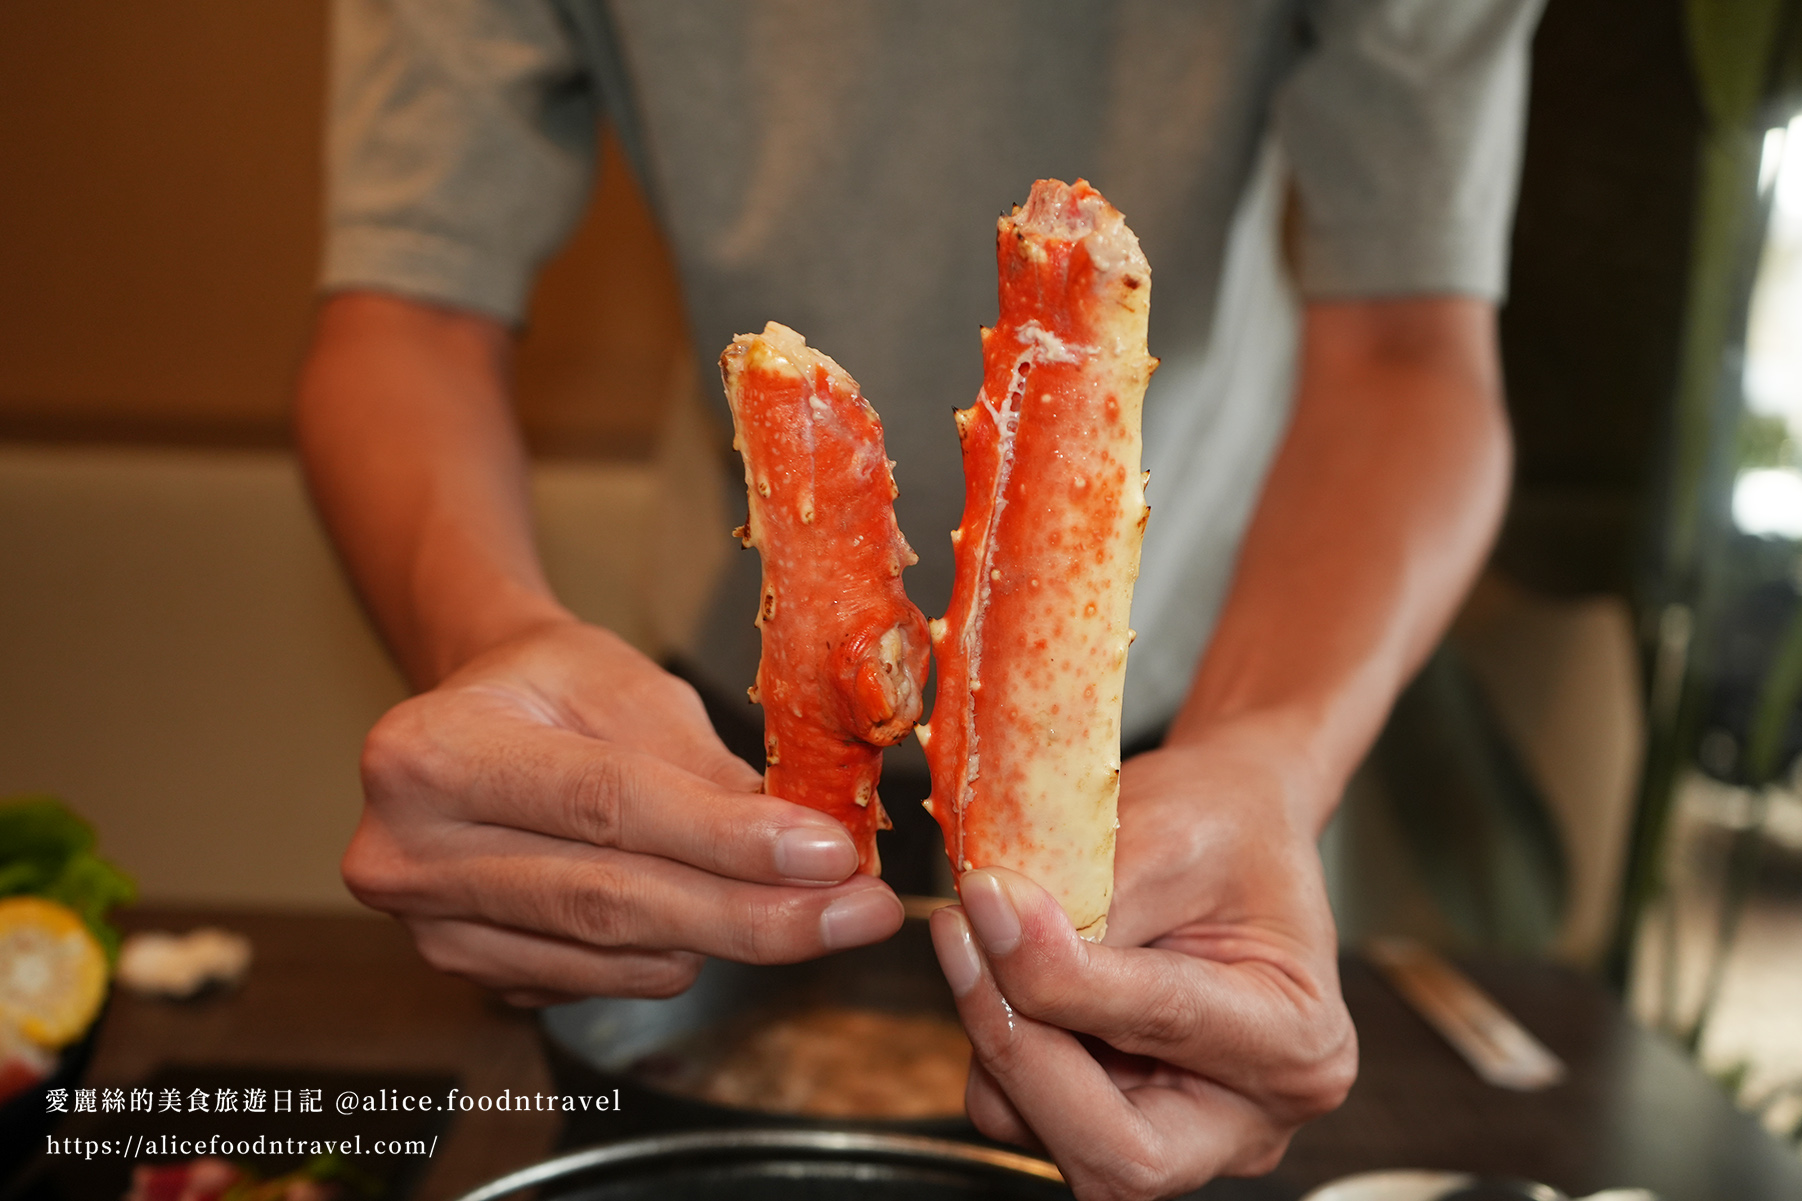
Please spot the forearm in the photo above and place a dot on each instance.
(1378, 512)
(416, 466)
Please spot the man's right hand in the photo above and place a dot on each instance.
(552, 815)
(557, 818)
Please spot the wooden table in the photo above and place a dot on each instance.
(349, 993)
(1635, 1111)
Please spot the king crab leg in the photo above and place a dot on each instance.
(1024, 743)
(844, 650)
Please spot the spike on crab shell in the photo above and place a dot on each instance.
(923, 732)
(936, 627)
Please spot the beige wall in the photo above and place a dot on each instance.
(178, 654)
(181, 660)
(159, 181)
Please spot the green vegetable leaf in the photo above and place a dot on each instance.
(41, 829)
(47, 850)
(23, 875)
(92, 887)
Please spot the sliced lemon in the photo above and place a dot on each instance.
(52, 972)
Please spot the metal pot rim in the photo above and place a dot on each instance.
(824, 1144)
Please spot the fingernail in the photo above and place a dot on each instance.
(819, 856)
(865, 916)
(991, 911)
(956, 950)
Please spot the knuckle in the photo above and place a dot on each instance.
(1333, 1082)
(1322, 1068)
(593, 903)
(755, 943)
(1170, 1019)
(445, 952)
(725, 849)
(373, 870)
(736, 842)
(410, 753)
(1142, 1182)
(997, 1048)
(769, 933)
(597, 798)
(391, 750)
(1139, 1176)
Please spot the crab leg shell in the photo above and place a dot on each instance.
(1024, 743)
(844, 651)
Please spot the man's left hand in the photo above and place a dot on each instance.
(1208, 1026)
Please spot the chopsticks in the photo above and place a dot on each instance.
(1486, 1035)
(921, 908)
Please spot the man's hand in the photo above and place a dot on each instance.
(1210, 1026)
(552, 815)
(1206, 1029)
(557, 818)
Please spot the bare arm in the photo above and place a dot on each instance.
(1376, 517)
(1216, 998)
(417, 467)
(552, 815)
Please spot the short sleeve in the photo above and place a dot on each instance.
(460, 149)
(1403, 125)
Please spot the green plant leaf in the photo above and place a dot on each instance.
(1734, 45)
(92, 887)
(47, 850)
(41, 829)
(23, 875)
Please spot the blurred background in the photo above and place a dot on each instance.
(1599, 765)
(178, 654)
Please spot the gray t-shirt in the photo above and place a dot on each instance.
(838, 167)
